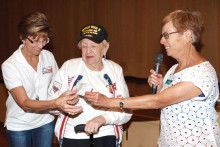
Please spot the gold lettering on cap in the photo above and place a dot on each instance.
(89, 31)
(94, 27)
(85, 28)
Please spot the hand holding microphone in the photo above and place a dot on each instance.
(153, 78)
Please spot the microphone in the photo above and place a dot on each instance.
(157, 59)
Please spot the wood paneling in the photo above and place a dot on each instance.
(133, 27)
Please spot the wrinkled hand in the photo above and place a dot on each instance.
(92, 126)
(155, 79)
(74, 100)
(66, 102)
(97, 99)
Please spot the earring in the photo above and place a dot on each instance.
(104, 56)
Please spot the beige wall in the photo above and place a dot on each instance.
(141, 134)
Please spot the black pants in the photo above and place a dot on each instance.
(106, 141)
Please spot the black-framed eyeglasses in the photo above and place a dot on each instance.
(44, 42)
(166, 35)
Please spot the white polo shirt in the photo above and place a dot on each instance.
(17, 72)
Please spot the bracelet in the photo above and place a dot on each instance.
(121, 104)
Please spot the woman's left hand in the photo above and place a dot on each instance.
(97, 99)
(92, 126)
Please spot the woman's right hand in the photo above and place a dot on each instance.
(66, 102)
(155, 79)
(97, 99)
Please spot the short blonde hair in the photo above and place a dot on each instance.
(186, 20)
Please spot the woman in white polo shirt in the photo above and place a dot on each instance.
(27, 74)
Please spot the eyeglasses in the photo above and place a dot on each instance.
(44, 42)
(166, 35)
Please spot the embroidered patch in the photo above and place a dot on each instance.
(108, 79)
(48, 69)
(56, 88)
(77, 80)
(112, 86)
(168, 82)
(110, 89)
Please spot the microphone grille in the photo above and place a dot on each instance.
(158, 58)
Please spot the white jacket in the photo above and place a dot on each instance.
(74, 72)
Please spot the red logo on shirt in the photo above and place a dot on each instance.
(48, 69)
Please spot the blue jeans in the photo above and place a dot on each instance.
(38, 137)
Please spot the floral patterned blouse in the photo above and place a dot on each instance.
(192, 123)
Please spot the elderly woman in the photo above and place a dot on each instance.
(27, 74)
(188, 92)
(92, 72)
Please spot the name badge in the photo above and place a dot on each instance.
(168, 82)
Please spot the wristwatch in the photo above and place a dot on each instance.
(121, 104)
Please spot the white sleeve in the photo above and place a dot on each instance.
(11, 76)
(119, 118)
(116, 118)
(59, 84)
(202, 77)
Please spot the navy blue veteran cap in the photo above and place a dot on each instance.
(93, 32)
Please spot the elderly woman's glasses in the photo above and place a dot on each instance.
(44, 42)
(166, 35)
